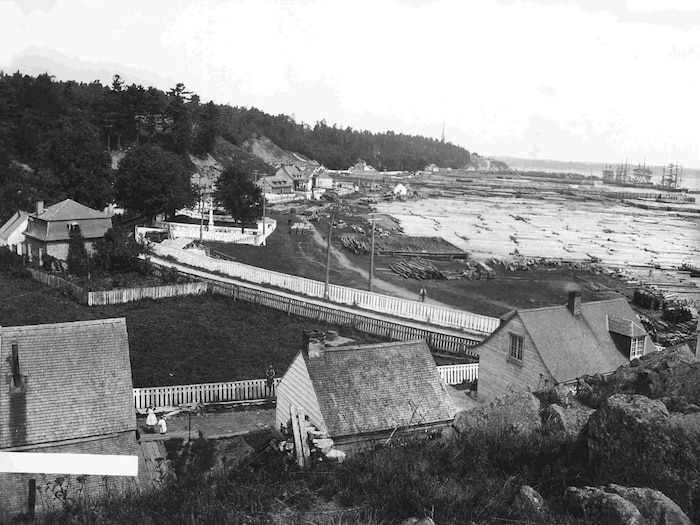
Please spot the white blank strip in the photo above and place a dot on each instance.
(79, 464)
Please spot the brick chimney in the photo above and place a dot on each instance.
(574, 304)
(314, 343)
(39, 207)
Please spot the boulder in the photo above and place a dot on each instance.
(531, 500)
(519, 412)
(633, 413)
(615, 504)
(567, 421)
(418, 521)
(670, 374)
(655, 506)
(598, 506)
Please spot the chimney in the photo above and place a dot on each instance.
(16, 378)
(39, 207)
(574, 305)
(314, 343)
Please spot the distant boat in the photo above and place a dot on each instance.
(641, 177)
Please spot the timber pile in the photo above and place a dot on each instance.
(417, 269)
(355, 243)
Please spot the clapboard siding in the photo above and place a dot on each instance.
(499, 376)
(296, 389)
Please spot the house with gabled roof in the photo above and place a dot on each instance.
(12, 232)
(538, 348)
(48, 229)
(356, 395)
(66, 388)
(299, 176)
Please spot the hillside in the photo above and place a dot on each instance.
(66, 131)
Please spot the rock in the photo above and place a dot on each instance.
(655, 506)
(566, 421)
(634, 413)
(519, 412)
(418, 521)
(602, 507)
(531, 499)
(670, 374)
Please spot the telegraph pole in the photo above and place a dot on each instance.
(371, 254)
(328, 257)
(201, 210)
(264, 242)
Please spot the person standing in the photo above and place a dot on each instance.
(163, 425)
(422, 294)
(151, 419)
(270, 376)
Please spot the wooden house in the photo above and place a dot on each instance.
(357, 395)
(48, 229)
(298, 176)
(12, 232)
(322, 179)
(66, 389)
(400, 190)
(542, 347)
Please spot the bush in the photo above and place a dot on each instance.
(12, 263)
(170, 275)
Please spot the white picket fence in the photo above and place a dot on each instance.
(458, 374)
(414, 310)
(254, 390)
(126, 295)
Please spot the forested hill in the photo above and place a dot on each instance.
(56, 137)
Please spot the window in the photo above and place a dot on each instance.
(636, 347)
(72, 227)
(516, 348)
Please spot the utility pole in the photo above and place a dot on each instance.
(264, 242)
(201, 209)
(371, 254)
(328, 257)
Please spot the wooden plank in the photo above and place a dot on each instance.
(297, 436)
(305, 450)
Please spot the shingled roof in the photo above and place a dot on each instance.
(78, 382)
(574, 345)
(51, 224)
(371, 388)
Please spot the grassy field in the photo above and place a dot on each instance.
(182, 340)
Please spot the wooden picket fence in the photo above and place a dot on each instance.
(127, 295)
(252, 391)
(119, 295)
(415, 310)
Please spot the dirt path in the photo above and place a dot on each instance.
(378, 284)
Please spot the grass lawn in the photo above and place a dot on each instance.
(181, 340)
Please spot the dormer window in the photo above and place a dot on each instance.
(73, 227)
(636, 347)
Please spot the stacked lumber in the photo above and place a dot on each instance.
(355, 243)
(417, 269)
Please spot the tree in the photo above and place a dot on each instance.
(117, 250)
(82, 167)
(151, 180)
(239, 195)
(78, 262)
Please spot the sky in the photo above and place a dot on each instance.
(596, 80)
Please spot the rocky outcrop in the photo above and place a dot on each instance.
(614, 504)
(670, 375)
(519, 412)
(565, 421)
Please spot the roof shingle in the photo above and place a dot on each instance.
(371, 388)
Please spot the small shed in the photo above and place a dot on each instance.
(358, 395)
(12, 232)
(400, 190)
